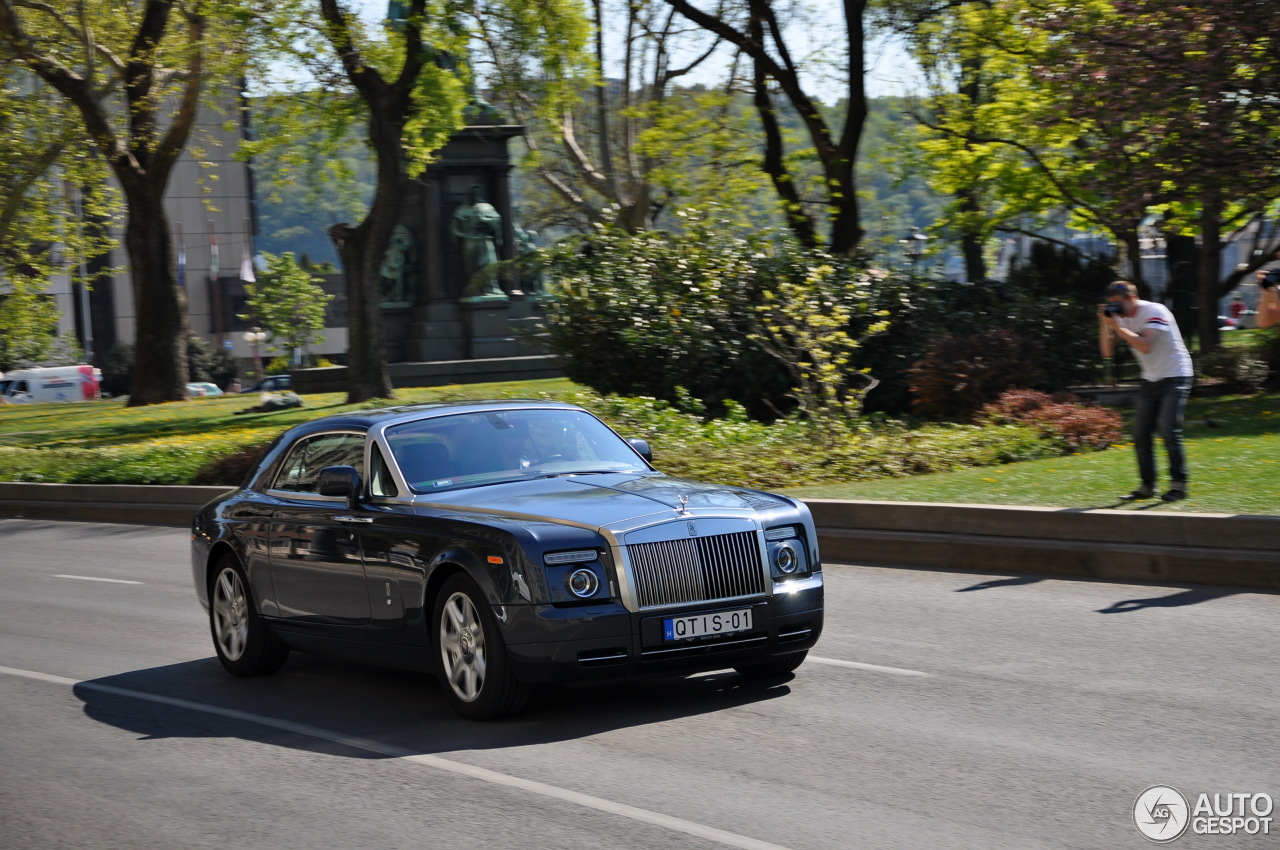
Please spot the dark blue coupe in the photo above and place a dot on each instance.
(500, 545)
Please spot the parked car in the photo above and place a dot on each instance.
(203, 389)
(500, 545)
(271, 384)
(51, 384)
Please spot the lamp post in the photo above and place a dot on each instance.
(255, 337)
(913, 248)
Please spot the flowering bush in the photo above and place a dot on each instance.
(1075, 424)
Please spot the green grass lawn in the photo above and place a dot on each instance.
(1232, 443)
(1233, 448)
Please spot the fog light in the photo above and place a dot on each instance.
(784, 558)
(583, 583)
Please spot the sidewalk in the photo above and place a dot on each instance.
(1171, 548)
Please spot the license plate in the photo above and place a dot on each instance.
(703, 625)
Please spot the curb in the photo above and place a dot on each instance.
(1173, 548)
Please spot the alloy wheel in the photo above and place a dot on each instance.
(462, 647)
(230, 614)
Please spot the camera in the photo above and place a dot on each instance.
(1271, 279)
(1113, 309)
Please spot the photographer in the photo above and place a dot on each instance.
(1268, 297)
(1151, 332)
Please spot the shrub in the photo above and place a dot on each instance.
(1267, 349)
(117, 369)
(231, 469)
(1239, 367)
(759, 320)
(1050, 298)
(962, 373)
(207, 362)
(1074, 423)
(642, 315)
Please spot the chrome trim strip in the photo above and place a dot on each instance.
(796, 585)
(294, 495)
(648, 653)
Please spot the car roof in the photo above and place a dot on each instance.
(365, 419)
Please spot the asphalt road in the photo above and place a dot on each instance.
(942, 710)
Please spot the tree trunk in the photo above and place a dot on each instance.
(361, 249)
(367, 373)
(1209, 270)
(161, 340)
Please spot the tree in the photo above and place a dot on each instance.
(287, 302)
(637, 143)
(756, 28)
(1193, 89)
(995, 139)
(50, 185)
(404, 82)
(134, 75)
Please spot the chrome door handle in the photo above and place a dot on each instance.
(354, 518)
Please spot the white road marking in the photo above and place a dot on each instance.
(836, 662)
(94, 578)
(555, 792)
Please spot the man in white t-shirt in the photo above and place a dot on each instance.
(1151, 333)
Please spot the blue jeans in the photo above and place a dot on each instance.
(1160, 406)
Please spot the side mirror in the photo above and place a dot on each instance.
(642, 449)
(338, 481)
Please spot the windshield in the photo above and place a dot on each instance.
(482, 448)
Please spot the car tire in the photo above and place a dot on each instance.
(774, 666)
(471, 658)
(245, 646)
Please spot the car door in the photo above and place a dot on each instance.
(315, 558)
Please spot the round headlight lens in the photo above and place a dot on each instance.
(583, 583)
(784, 558)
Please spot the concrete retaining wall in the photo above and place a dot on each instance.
(1175, 548)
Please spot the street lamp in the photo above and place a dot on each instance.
(256, 336)
(913, 247)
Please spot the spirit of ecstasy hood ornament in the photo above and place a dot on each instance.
(684, 504)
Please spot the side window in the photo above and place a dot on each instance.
(301, 469)
(380, 481)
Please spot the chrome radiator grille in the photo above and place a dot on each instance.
(695, 569)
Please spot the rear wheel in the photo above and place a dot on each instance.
(471, 657)
(774, 666)
(244, 644)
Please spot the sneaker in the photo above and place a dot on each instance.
(1174, 494)
(1138, 495)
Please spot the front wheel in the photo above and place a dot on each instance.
(472, 660)
(774, 666)
(244, 644)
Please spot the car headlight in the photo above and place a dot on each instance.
(577, 576)
(782, 532)
(583, 583)
(788, 559)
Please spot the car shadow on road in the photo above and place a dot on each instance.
(399, 710)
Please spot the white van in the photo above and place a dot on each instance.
(55, 383)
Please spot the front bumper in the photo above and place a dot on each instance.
(610, 642)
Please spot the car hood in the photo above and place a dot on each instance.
(606, 499)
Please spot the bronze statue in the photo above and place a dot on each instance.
(477, 227)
